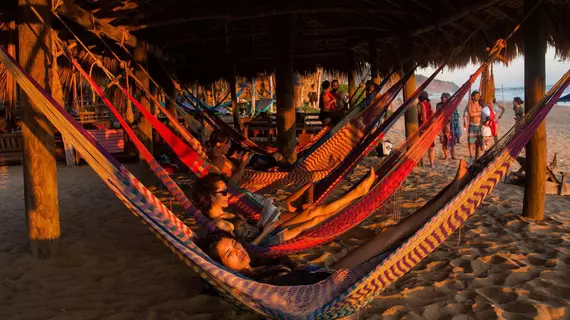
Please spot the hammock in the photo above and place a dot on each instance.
(223, 104)
(309, 170)
(344, 292)
(320, 137)
(165, 179)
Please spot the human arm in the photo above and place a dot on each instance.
(266, 231)
(238, 170)
(224, 225)
(502, 107)
(328, 101)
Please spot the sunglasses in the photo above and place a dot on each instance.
(222, 192)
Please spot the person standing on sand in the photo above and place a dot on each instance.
(491, 113)
(448, 136)
(339, 95)
(313, 98)
(424, 114)
(518, 108)
(327, 104)
(474, 124)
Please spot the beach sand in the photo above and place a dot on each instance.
(499, 265)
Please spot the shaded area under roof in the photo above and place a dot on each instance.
(204, 38)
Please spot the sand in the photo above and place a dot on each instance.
(499, 265)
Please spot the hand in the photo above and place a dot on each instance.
(246, 157)
(270, 227)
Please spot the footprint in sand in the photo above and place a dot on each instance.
(498, 295)
(489, 281)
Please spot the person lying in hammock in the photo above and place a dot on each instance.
(234, 166)
(229, 252)
(211, 197)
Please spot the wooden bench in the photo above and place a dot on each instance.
(10, 148)
(267, 126)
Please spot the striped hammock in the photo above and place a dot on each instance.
(344, 292)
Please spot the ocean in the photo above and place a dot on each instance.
(507, 94)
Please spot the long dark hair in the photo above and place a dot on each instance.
(424, 96)
(264, 267)
(518, 100)
(217, 136)
(208, 244)
(203, 190)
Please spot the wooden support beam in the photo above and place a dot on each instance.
(272, 13)
(88, 21)
(40, 172)
(373, 60)
(145, 128)
(411, 116)
(253, 96)
(11, 93)
(352, 72)
(235, 107)
(286, 134)
(534, 85)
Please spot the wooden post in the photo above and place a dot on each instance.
(373, 57)
(145, 128)
(534, 84)
(286, 135)
(11, 95)
(352, 86)
(271, 96)
(411, 116)
(233, 93)
(253, 96)
(319, 87)
(40, 172)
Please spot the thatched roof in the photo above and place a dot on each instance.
(202, 38)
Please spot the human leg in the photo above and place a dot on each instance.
(397, 233)
(305, 192)
(329, 209)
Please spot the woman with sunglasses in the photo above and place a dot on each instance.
(212, 198)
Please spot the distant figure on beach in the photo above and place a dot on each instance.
(339, 95)
(491, 113)
(424, 114)
(518, 108)
(451, 131)
(327, 104)
(473, 123)
(487, 137)
(313, 97)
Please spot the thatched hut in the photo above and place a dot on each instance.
(205, 40)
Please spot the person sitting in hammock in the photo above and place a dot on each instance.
(212, 198)
(229, 252)
(233, 164)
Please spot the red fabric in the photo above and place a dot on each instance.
(426, 111)
(492, 122)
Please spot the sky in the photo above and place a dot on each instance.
(508, 76)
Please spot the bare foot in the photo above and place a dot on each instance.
(462, 170)
(290, 207)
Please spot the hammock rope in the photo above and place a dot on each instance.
(345, 291)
